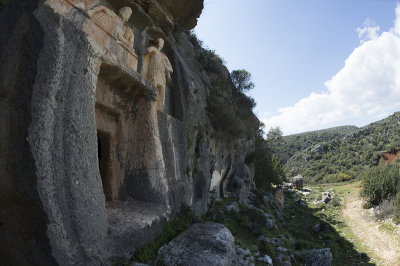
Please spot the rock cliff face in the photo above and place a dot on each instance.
(90, 166)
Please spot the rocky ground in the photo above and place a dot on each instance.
(380, 239)
(284, 227)
(320, 225)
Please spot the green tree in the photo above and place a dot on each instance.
(274, 134)
(242, 80)
(268, 169)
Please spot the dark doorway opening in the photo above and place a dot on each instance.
(103, 149)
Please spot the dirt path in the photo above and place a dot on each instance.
(385, 247)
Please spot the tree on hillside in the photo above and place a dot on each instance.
(274, 134)
(242, 80)
(268, 169)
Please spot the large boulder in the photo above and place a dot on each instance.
(276, 242)
(298, 182)
(270, 224)
(233, 207)
(265, 259)
(244, 257)
(326, 197)
(287, 185)
(315, 257)
(200, 244)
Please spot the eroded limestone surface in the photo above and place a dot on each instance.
(94, 158)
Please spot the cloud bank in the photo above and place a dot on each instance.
(368, 86)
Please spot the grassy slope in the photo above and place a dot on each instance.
(322, 155)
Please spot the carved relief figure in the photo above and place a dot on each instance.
(157, 70)
(113, 24)
(125, 34)
(103, 17)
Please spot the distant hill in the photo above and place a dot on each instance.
(292, 144)
(339, 153)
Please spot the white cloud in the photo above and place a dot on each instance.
(396, 28)
(368, 86)
(369, 32)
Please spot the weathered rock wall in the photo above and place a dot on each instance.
(23, 221)
(90, 169)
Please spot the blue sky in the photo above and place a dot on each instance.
(293, 47)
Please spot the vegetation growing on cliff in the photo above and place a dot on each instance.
(230, 111)
(268, 168)
(228, 108)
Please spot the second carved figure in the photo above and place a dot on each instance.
(157, 70)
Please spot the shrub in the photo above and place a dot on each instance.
(342, 177)
(210, 61)
(230, 112)
(246, 102)
(367, 205)
(380, 183)
(266, 248)
(268, 169)
(335, 202)
(396, 218)
(194, 40)
(302, 244)
(384, 210)
(244, 221)
(223, 116)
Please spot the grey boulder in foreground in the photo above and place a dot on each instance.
(315, 257)
(200, 244)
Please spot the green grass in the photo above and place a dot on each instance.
(389, 228)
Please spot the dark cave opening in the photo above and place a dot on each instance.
(103, 153)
